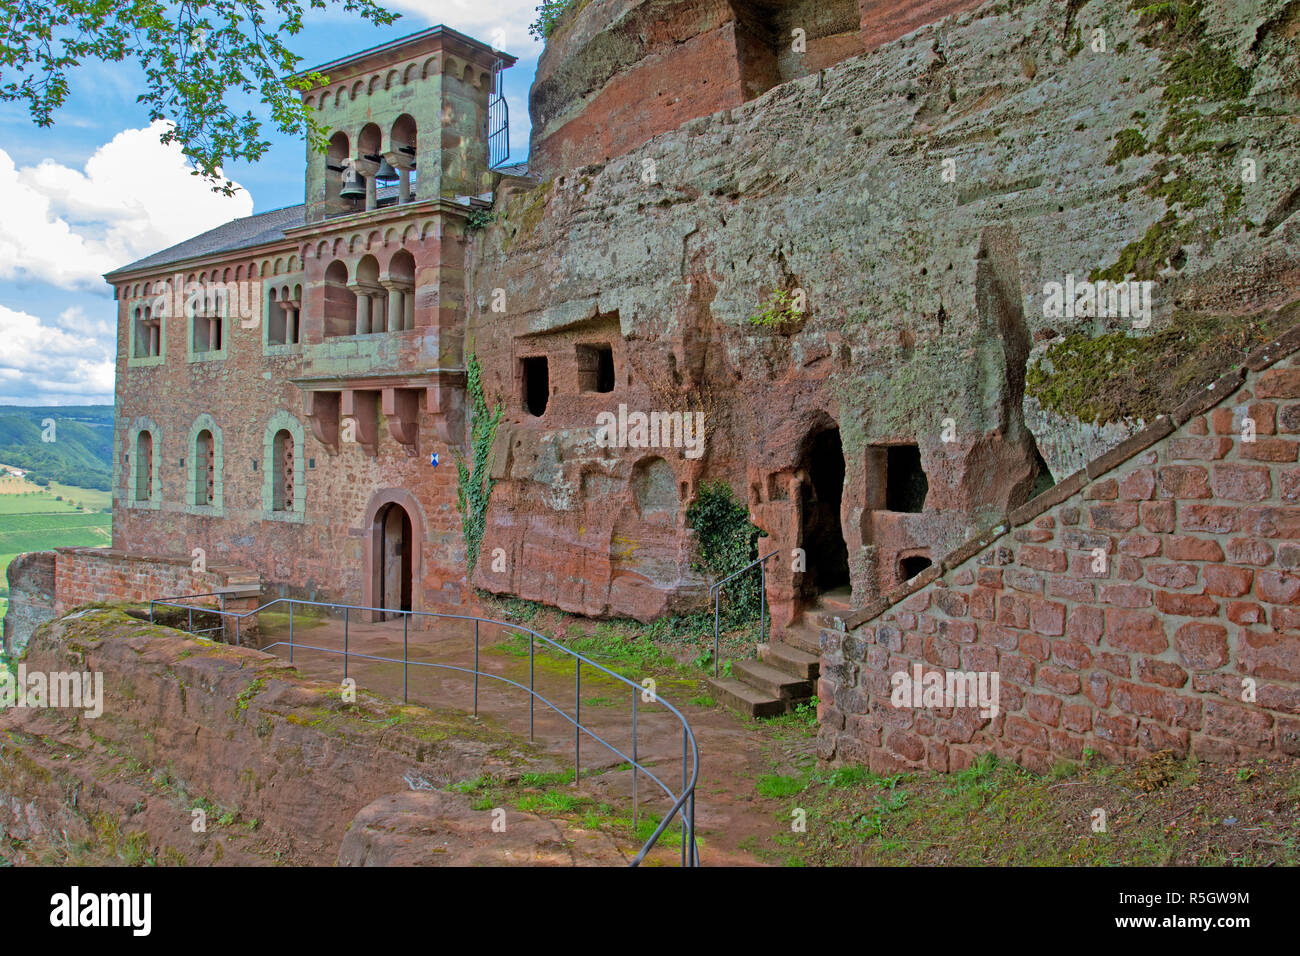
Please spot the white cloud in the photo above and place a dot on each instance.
(134, 197)
(502, 24)
(70, 361)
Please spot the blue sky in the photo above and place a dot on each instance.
(97, 190)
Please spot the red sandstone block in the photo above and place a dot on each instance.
(1073, 654)
(1135, 631)
(1202, 645)
(1058, 681)
(1033, 536)
(1197, 426)
(1272, 655)
(1164, 673)
(1279, 383)
(1270, 449)
(1119, 729)
(1097, 689)
(1288, 555)
(1287, 736)
(1249, 551)
(952, 602)
(979, 657)
(1076, 717)
(1002, 637)
(1016, 668)
(1173, 576)
(1013, 611)
(1086, 624)
(1183, 481)
(1242, 482)
(1034, 646)
(1270, 522)
(1254, 728)
(1215, 519)
(1183, 547)
(1243, 612)
(982, 604)
(1047, 618)
(1119, 516)
(1289, 418)
(1278, 587)
(1187, 605)
(1125, 595)
(1285, 618)
(1073, 589)
(1041, 559)
(1021, 731)
(1117, 664)
(1023, 582)
(1138, 485)
(1044, 709)
(989, 578)
(1158, 516)
(1107, 490)
(1130, 569)
(1199, 449)
(1224, 580)
(1140, 545)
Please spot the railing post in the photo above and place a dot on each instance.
(238, 642)
(291, 632)
(692, 857)
(190, 627)
(151, 612)
(762, 601)
(345, 642)
(406, 618)
(476, 668)
(635, 770)
(685, 831)
(716, 596)
(532, 696)
(577, 720)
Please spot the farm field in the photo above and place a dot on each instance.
(33, 518)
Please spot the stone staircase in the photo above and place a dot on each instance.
(785, 675)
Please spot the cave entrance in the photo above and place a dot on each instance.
(822, 536)
(392, 532)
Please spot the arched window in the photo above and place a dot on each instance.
(284, 496)
(144, 466)
(205, 468)
(203, 492)
(282, 471)
(340, 301)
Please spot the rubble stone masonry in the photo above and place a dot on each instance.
(1149, 602)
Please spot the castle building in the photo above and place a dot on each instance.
(289, 385)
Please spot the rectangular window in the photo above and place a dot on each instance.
(595, 368)
(535, 384)
(208, 333)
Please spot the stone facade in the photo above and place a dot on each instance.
(1148, 602)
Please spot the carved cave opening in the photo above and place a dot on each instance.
(822, 534)
(534, 384)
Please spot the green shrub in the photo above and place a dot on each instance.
(474, 479)
(725, 542)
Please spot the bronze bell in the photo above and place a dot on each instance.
(354, 188)
(386, 173)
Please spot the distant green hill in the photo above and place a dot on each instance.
(81, 453)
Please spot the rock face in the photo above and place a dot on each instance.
(848, 275)
(279, 763)
(613, 74)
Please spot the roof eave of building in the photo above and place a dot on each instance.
(413, 39)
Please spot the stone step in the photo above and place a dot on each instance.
(740, 696)
(792, 660)
(804, 638)
(770, 681)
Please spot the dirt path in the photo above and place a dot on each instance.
(733, 753)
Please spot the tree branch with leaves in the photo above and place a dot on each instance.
(198, 57)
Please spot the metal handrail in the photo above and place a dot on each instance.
(715, 592)
(683, 803)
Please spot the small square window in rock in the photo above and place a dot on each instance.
(595, 368)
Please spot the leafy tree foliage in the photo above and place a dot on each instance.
(198, 56)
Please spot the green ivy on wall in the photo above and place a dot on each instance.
(474, 486)
(725, 542)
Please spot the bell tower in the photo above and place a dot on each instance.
(407, 122)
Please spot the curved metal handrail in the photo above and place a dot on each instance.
(715, 592)
(683, 803)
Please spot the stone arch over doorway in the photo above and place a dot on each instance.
(394, 552)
